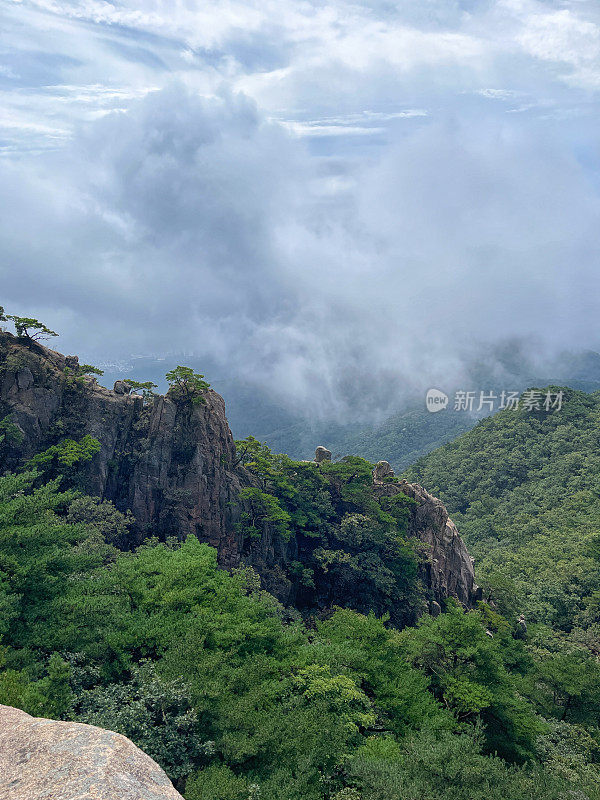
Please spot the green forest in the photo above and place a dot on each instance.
(240, 698)
(523, 487)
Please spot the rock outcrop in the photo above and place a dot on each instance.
(448, 568)
(121, 387)
(169, 463)
(41, 759)
(174, 466)
(322, 454)
(383, 470)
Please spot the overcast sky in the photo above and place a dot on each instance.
(321, 194)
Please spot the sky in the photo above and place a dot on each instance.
(344, 201)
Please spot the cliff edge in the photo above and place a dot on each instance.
(174, 466)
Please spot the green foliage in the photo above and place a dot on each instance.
(39, 554)
(89, 369)
(216, 782)
(112, 525)
(48, 696)
(356, 550)
(76, 375)
(261, 509)
(29, 328)
(238, 700)
(570, 684)
(257, 456)
(466, 665)
(10, 434)
(364, 646)
(145, 388)
(65, 457)
(570, 752)
(523, 490)
(186, 385)
(450, 767)
(11, 437)
(154, 712)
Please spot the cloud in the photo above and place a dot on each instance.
(198, 225)
(563, 37)
(338, 200)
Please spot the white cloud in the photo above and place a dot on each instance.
(197, 224)
(562, 37)
(321, 194)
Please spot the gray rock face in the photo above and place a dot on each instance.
(448, 568)
(72, 362)
(121, 387)
(167, 462)
(383, 470)
(41, 759)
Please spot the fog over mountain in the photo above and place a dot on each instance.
(347, 203)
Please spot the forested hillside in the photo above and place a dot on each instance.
(524, 489)
(377, 675)
(238, 698)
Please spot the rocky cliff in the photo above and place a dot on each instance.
(448, 568)
(173, 465)
(166, 462)
(41, 759)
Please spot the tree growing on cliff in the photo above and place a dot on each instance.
(261, 509)
(145, 388)
(65, 458)
(28, 327)
(187, 385)
(77, 375)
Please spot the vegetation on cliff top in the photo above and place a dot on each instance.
(353, 548)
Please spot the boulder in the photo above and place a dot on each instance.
(121, 387)
(322, 454)
(520, 630)
(383, 470)
(435, 608)
(41, 759)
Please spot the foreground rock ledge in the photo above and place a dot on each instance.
(41, 759)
